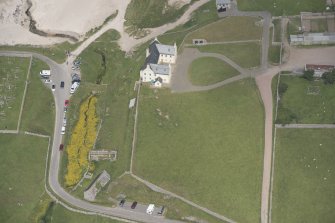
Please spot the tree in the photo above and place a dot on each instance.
(329, 77)
(308, 75)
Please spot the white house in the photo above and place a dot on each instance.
(157, 67)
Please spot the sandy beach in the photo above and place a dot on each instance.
(74, 17)
(71, 16)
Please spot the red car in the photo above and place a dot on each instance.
(66, 103)
(61, 147)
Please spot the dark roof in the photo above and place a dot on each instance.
(319, 67)
(154, 54)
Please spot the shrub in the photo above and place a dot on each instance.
(308, 75)
(329, 77)
(82, 141)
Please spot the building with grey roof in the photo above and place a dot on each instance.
(157, 65)
(96, 186)
(312, 38)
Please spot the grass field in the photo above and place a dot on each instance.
(298, 105)
(39, 108)
(225, 30)
(274, 54)
(282, 7)
(247, 55)
(293, 27)
(151, 13)
(13, 75)
(277, 30)
(191, 143)
(210, 70)
(55, 52)
(319, 25)
(58, 214)
(134, 190)
(204, 15)
(304, 176)
(22, 163)
(114, 89)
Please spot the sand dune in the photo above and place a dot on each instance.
(77, 16)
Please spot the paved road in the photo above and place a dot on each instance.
(267, 19)
(180, 81)
(163, 191)
(305, 126)
(61, 73)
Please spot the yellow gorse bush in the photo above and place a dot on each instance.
(81, 142)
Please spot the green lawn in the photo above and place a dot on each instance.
(283, 7)
(247, 55)
(207, 147)
(297, 106)
(210, 70)
(274, 54)
(55, 52)
(277, 30)
(293, 26)
(319, 25)
(134, 190)
(116, 75)
(225, 30)
(39, 108)
(203, 15)
(151, 13)
(22, 166)
(13, 75)
(304, 176)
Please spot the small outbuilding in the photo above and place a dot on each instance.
(223, 5)
(318, 69)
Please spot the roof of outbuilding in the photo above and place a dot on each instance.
(166, 49)
(160, 69)
(222, 2)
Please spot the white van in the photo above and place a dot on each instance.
(74, 87)
(150, 208)
(63, 130)
(45, 73)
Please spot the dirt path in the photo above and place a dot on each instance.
(298, 58)
(163, 191)
(264, 85)
(305, 126)
(127, 42)
(180, 81)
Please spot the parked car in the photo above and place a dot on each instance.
(47, 81)
(63, 130)
(62, 84)
(133, 205)
(161, 211)
(74, 87)
(61, 147)
(65, 109)
(53, 87)
(76, 63)
(122, 202)
(64, 121)
(66, 103)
